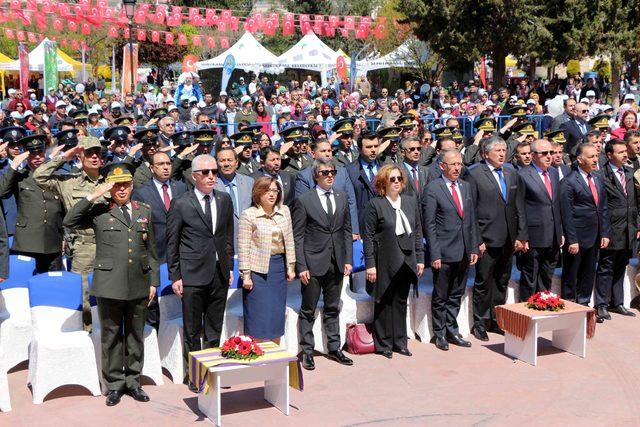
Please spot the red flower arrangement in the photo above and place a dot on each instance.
(241, 347)
(545, 301)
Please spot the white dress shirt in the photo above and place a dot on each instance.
(159, 184)
(495, 174)
(323, 198)
(448, 183)
(583, 174)
(212, 202)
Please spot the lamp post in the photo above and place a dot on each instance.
(129, 10)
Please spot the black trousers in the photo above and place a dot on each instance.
(537, 266)
(122, 338)
(153, 313)
(390, 313)
(493, 272)
(330, 284)
(578, 274)
(449, 284)
(45, 262)
(612, 266)
(203, 310)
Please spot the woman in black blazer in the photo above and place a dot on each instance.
(394, 257)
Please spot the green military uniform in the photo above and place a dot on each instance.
(126, 266)
(391, 134)
(148, 138)
(294, 163)
(181, 169)
(38, 231)
(344, 127)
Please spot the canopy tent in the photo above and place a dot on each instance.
(36, 61)
(3, 59)
(77, 65)
(310, 53)
(249, 55)
(402, 57)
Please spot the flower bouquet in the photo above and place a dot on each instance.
(241, 347)
(545, 301)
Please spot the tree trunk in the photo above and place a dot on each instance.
(635, 62)
(532, 68)
(616, 68)
(499, 56)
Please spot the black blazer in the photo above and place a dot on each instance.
(544, 219)
(316, 239)
(573, 135)
(623, 209)
(149, 194)
(381, 244)
(423, 179)
(192, 246)
(363, 188)
(288, 185)
(583, 222)
(499, 222)
(450, 236)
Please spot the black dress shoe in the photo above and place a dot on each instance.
(442, 344)
(480, 333)
(403, 351)
(602, 314)
(388, 354)
(308, 363)
(139, 394)
(113, 397)
(457, 340)
(339, 357)
(621, 310)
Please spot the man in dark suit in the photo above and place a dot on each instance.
(270, 161)
(499, 202)
(322, 231)
(540, 183)
(418, 174)
(585, 220)
(622, 205)
(341, 182)
(632, 138)
(575, 130)
(363, 171)
(200, 255)
(158, 193)
(449, 223)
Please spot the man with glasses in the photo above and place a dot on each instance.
(202, 144)
(149, 140)
(167, 126)
(247, 165)
(18, 98)
(418, 174)
(541, 183)
(575, 130)
(427, 152)
(200, 253)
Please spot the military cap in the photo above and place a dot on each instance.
(12, 134)
(90, 142)
(457, 135)
(33, 142)
(404, 121)
(517, 111)
(343, 127)
(181, 138)
(556, 136)
(204, 136)
(67, 137)
(117, 133)
(118, 172)
(147, 136)
(125, 120)
(256, 130)
(391, 132)
(601, 121)
(295, 134)
(443, 132)
(487, 124)
(525, 128)
(242, 138)
(159, 113)
(80, 115)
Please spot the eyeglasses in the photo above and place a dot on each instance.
(206, 172)
(457, 164)
(544, 153)
(272, 191)
(170, 125)
(582, 111)
(396, 179)
(412, 149)
(331, 172)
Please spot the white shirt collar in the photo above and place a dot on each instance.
(201, 195)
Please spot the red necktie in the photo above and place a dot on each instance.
(165, 196)
(592, 187)
(456, 200)
(547, 183)
(623, 180)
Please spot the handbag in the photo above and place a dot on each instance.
(360, 338)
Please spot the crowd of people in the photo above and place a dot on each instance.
(123, 186)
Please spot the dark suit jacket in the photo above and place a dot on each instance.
(544, 219)
(288, 185)
(149, 194)
(450, 237)
(423, 179)
(192, 247)
(573, 135)
(565, 169)
(500, 222)
(316, 238)
(381, 245)
(623, 209)
(341, 182)
(244, 170)
(583, 222)
(364, 190)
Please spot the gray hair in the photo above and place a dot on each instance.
(321, 161)
(198, 161)
(446, 153)
(489, 143)
(407, 140)
(537, 142)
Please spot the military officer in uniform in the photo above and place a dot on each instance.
(247, 164)
(203, 144)
(117, 141)
(343, 128)
(557, 137)
(71, 188)
(125, 277)
(10, 135)
(67, 139)
(39, 223)
(390, 144)
(80, 118)
(521, 132)
(486, 127)
(406, 125)
(148, 137)
(294, 160)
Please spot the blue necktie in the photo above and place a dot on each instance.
(370, 173)
(503, 183)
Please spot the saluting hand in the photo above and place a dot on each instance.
(17, 160)
(73, 152)
(134, 150)
(101, 190)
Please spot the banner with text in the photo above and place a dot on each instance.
(50, 65)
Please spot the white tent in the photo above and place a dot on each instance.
(36, 61)
(310, 53)
(399, 58)
(249, 55)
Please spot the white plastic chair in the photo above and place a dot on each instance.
(5, 399)
(15, 313)
(61, 351)
(170, 328)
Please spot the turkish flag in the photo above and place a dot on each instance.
(155, 36)
(168, 38)
(141, 35)
(211, 42)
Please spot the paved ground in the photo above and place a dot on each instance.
(477, 386)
